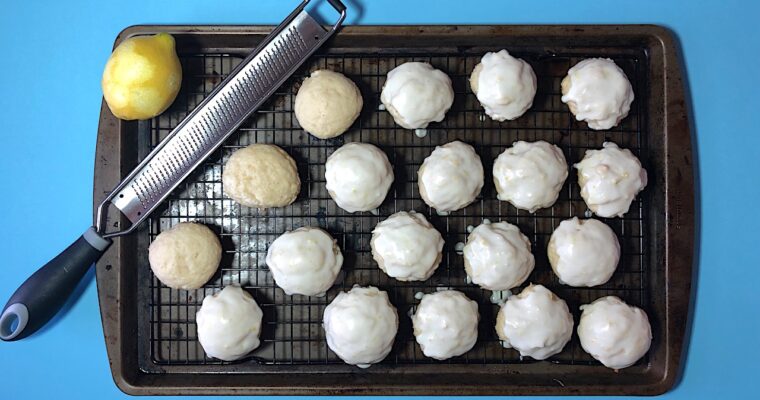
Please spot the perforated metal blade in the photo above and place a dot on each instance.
(247, 87)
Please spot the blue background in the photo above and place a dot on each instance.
(51, 60)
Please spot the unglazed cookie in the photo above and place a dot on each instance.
(327, 104)
(446, 324)
(583, 252)
(262, 176)
(406, 246)
(535, 322)
(610, 179)
(304, 261)
(358, 176)
(504, 85)
(185, 256)
(530, 174)
(497, 256)
(614, 333)
(229, 323)
(360, 326)
(598, 92)
(450, 177)
(416, 94)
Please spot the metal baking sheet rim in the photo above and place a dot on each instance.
(668, 114)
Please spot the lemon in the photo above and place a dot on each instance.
(142, 77)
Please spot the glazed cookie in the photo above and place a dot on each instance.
(450, 177)
(361, 325)
(406, 246)
(610, 179)
(530, 175)
(598, 92)
(417, 94)
(304, 261)
(504, 85)
(358, 176)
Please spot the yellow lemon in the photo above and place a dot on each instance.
(142, 77)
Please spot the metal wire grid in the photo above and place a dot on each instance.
(292, 332)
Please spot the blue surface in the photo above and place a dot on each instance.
(51, 60)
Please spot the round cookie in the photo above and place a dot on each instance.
(358, 177)
(583, 252)
(497, 256)
(614, 332)
(361, 325)
(446, 324)
(304, 261)
(261, 176)
(185, 256)
(406, 246)
(535, 322)
(610, 178)
(229, 324)
(530, 174)
(597, 91)
(327, 104)
(450, 177)
(417, 94)
(505, 85)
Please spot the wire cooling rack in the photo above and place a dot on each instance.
(292, 332)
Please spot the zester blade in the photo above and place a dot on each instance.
(247, 87)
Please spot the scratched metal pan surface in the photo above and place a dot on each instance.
(150, 329)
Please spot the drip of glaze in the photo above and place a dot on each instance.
(468, 280)
(442, 213)
(381, 107)
(459, 248)
(482, 117)
(470, 228)
(421, 133)
(419, 295)
(486, 221)
(500, 296)
(588, 214)
(375, 211)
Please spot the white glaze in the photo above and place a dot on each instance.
(610, 179)
(614, 333)
(598, 92)
(446, 324)
(406, 246)
(583, 252)
(358, 176)
(360, 326)
(416, 94)
(229, 323)
(500, 296)
(304, 261)
(450, 177)
(535, 322)
(530, 174)
(505, 85)
(497, 256)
